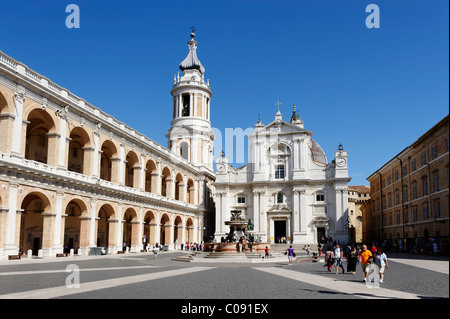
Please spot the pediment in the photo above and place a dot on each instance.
(280, 127)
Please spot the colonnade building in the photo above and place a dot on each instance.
(74, 177)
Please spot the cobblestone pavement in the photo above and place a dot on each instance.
(140, 276)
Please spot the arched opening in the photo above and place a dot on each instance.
(109, 152)
(165, 230)
(105, 229)
(32, 234)
(189, 231)
(151, 177)
(190, 191)
(130, 229)
(165, 177)
(184, 150)
(131, 164)
(149, 229)
(5, 123)
(37, 137)
(178, 235)
(76, 233)
(179, 187)
(79, 139)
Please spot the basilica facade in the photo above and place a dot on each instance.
(288, 191)
(74, 177)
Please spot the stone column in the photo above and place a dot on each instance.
(11, 247)
(137, 177)
(63, 142)
(17, 137)
(96, 156)
(48, 233)
(53, 147)
(121, 170)
(58, 223)
(116, 169)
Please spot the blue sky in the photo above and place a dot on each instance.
(374, 90)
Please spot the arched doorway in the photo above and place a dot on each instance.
(189, 230)
(178, 231)
(76, 231)
(165, 230)
(130, 236)
(105, 227)
(32, 234)
(149, 229)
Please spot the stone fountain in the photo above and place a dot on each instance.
(238, 226)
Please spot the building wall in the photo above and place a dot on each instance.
(71, 172)
(405, 204)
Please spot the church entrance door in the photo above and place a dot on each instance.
(280, 231)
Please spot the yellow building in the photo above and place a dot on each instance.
(409, 195)
(357, 196)
(74, 177)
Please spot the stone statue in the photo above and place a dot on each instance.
(250, 224)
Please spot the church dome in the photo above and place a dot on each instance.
(317, 154)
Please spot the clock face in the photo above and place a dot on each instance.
(220, 168)
(340, 161)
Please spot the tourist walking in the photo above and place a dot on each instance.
(319, 248)
(366, 256)
(329, 259)
(352, 260)
(266, 252)
(155, 251)
(291, 254)
(380, 260)
(338, 254)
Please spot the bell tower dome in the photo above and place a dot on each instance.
(190, 135)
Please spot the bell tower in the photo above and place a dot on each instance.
(190, 135)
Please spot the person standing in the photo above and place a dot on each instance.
(319, 248)
(329, 259)
(381, 261)
(366, 256)
(352, 260)
(338, 254)
(291, 254)
(266, 252)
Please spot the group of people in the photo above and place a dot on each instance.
(356, 254)
(192, 246)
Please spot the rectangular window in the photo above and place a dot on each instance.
(425, 212)
(279, 171)
(405, 171)
(415, 213)
(435, 183)
(413, 168)
(320, 198)
(425, 187)
(446, 145)
(437, 209)
(398, 219)
(434, 154)
(397, 199)
(424, 159)
(241, 200)
(396, 175)
(414, 189)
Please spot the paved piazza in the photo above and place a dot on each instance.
(140, 276)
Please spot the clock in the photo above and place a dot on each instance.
(340, 161)
(220, 168)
